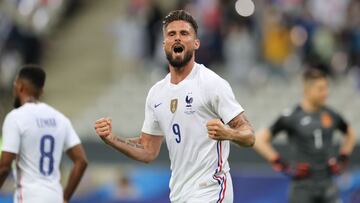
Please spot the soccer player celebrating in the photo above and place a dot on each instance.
(310, 127)
(197, 112)
(35, 135)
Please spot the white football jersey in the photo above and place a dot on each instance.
(180, 113)
(39, 135)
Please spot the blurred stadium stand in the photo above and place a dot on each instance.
(103, 56)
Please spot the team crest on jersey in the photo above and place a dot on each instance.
(173, 105)
(305, 120)
(326, 120)
(189, 100)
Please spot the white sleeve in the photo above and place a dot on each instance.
(224, 102)
(11, 134)
(151, 125)
(71, 138)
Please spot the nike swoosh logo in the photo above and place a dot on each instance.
(156, 105)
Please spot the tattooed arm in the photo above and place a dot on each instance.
(240, 131)
(145, 148)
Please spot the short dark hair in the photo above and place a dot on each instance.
(313, 73)
(180, 15)
(34, 74)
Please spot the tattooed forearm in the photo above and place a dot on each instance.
(240, 122)
(131, 143)
(244, 132)
(144, 148)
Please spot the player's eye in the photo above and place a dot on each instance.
(171, 33)
(184, 33)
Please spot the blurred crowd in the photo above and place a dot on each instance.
(24, 27)
(279, 38)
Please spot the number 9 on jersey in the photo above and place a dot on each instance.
(176, 131)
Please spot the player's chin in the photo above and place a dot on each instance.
(177, 56)
(322, 103)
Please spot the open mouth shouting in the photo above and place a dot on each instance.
(178, 56)
(178, 49)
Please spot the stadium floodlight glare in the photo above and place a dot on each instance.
(245, 8)
(26, 7)
(41, 19)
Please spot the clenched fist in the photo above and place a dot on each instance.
(217, 130)
(103, 128)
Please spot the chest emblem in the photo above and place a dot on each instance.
(326, 120)
(173, 105)
(305, 121)
(189, 100)
(189, 104)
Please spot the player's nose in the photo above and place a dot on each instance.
(177, 37)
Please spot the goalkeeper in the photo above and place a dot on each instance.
(310, 128)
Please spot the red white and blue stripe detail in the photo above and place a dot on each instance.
(220, 179)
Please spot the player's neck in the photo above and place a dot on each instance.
(29, 99)
(307, 106)
(179, 74)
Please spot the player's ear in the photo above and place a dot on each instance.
(20, 86)
(197, 44)
(163, 42)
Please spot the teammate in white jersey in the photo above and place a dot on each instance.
(35, 135)
(196, 111)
